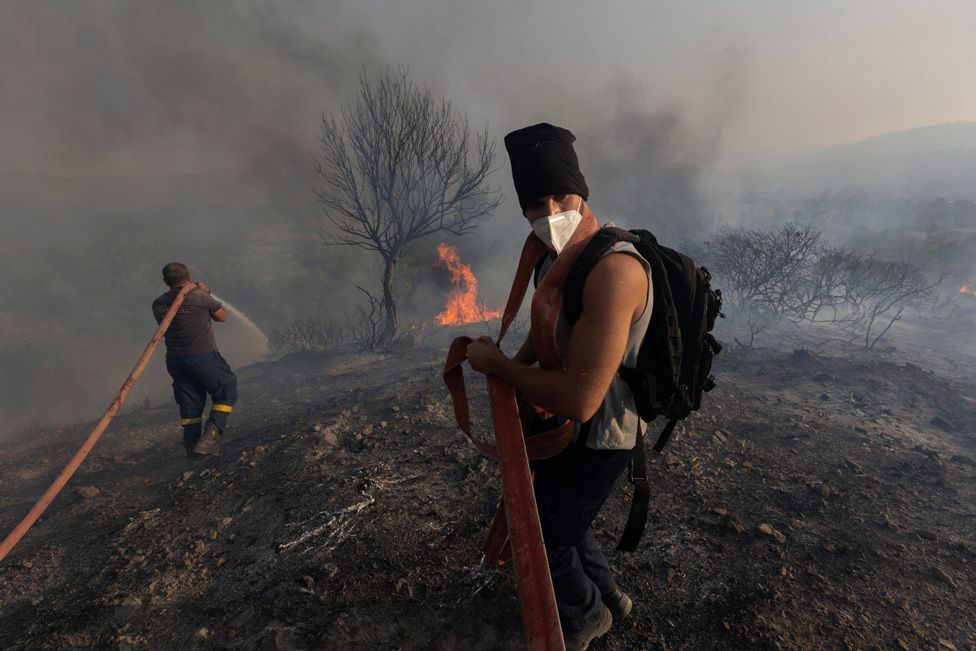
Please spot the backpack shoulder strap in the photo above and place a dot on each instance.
(637, 518)
(589, 256)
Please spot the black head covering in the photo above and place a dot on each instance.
(544, 162)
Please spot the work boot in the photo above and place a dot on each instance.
(209, 442)
(592, 629)
(619, 604)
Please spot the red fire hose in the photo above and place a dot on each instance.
(45, 500)
(515, 528)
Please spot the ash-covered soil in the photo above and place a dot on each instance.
(817, 502)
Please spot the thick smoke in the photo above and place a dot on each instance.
(651, 154)
(646, 169)
(171, 88)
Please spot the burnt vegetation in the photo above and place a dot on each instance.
(791, 273)
(360, 330)
(398, 165)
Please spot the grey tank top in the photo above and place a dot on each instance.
(614, 425)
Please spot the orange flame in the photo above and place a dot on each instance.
(968, 289)
(462, 305)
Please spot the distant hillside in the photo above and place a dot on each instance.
(938, 160)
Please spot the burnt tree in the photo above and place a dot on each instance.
(789, 273)
(880, 290)
(761, 270)
(396, 166)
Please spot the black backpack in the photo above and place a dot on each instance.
(675, 358)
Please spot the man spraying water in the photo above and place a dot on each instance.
(194, 363)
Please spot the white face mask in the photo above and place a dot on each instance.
(555, 230)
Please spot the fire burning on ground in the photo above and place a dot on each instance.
(462, 303)
(968, 289)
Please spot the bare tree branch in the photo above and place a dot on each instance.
(399, 165)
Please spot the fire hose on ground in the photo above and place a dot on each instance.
(45, 500)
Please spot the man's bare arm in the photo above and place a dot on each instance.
(221, 314)
(614, 296)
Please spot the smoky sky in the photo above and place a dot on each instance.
(170, 88)
(175, 87)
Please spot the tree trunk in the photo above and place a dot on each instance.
(885, 331)
(389, 301)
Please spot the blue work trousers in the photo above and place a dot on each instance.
(194, 378)
(570, 489)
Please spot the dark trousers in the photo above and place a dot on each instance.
(570, 489)
(195, 377)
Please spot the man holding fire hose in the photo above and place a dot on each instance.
(194, 364)
(571, 487)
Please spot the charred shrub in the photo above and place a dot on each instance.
(791, 273)
(307, 334)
